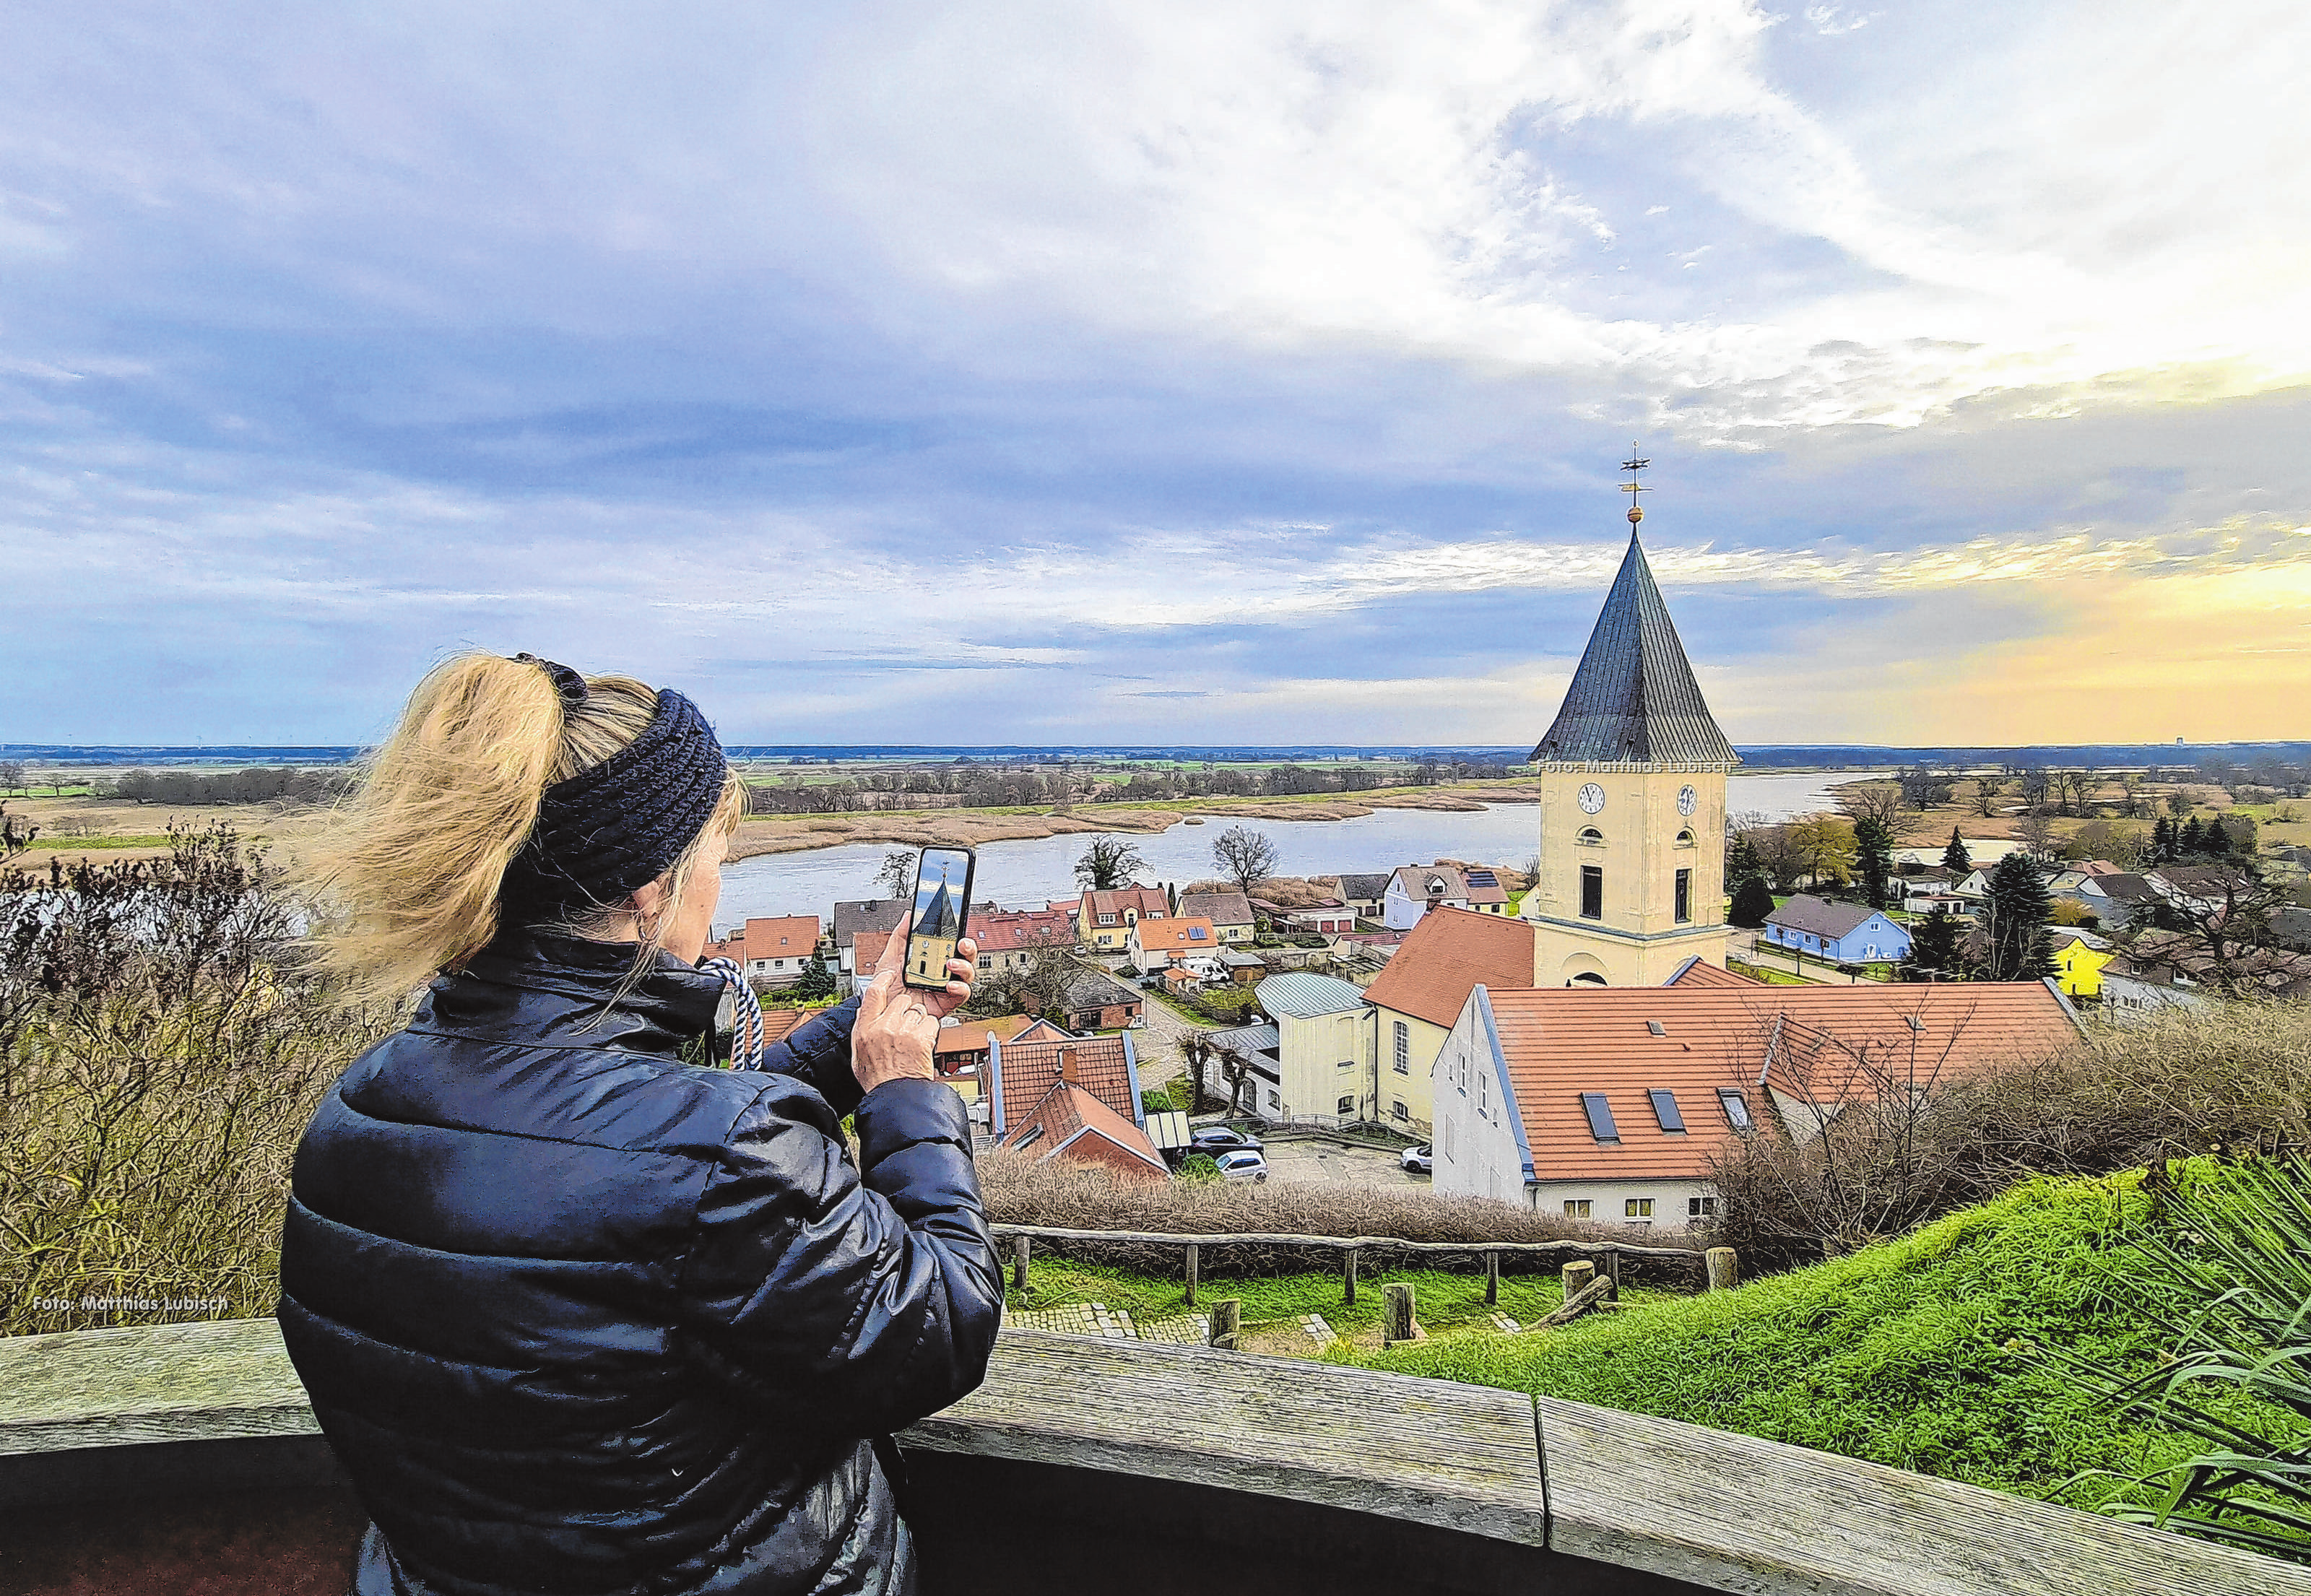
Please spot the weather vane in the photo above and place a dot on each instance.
(1632, 487)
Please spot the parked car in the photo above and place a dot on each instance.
(1420, 1160)
(1245, 1163)
(1217, 1139)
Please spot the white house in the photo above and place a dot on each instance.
(1323, 1048)
(1419, 889)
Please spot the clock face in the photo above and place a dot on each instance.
(1592, 799)
(1684, 800)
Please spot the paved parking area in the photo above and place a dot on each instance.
(1320, 1163)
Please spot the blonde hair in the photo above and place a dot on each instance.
(406, 879)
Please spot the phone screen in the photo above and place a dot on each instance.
(942, 904)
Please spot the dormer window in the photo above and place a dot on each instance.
(1590, 836)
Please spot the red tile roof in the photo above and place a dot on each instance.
(1026, 1070)
(866, 950)
(1450, 951)
(972, 1036)
(1176, 936)
(1148, 901)
(781, 937)
(1821, 1044)
(1076, 1126)
(1701, 972)
(1009, 931)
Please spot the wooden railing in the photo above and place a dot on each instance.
(1483, 1489)
(1717, 1265)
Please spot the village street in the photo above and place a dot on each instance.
(1157, 1044)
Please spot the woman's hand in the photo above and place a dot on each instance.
(898, 1024)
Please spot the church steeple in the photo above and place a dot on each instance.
(1633, 700)
(939, 919)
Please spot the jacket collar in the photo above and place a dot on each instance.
(535, 986)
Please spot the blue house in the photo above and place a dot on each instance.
(1843, 933)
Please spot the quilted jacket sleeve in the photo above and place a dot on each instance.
(844, 1302)
(818, 1053)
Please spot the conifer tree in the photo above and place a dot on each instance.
(1874, 859)
(2162, 842)
(1955, 858)
(1934, 945)
(2191, 840)
(2018, 945)
(1752, 903)
(2217, 842)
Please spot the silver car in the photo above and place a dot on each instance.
(1243, 1165)
(1420, 1160)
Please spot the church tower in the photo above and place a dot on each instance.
(1632, 801)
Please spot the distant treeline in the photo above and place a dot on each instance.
(979, 787)
(253, 784)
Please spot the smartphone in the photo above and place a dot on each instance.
(942, 904)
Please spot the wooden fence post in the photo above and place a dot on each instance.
(1194, 1258)
(1019, 1263)
(1613, 1273)
(1576, 1275)
(1228, 1316)
(1725, 1268)
(1492, 1279)
(1396, 1313)
(1349, 1276)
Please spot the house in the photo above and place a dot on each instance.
(880, 915)
(1845, 933)
(1230, 913)
(1322, 920)
(1417, 999)
(1020, 1073)
(866, 952)
(1608, 1103)
(1927, 902)
(1151, 945)
(1103, 919)
(1416, 890)
(1073, 1126)
(1250, 1055)
(1012, 939)
(2115, 899)
(1323, 1051)
(774, 951)
(1980, 851)
(2173, 970)
(2079, 960)
(1093, 1001)
(960, 1053)
(1364, 894)
(2201, 889)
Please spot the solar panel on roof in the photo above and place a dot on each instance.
(1601, 1116)
(1480, 878)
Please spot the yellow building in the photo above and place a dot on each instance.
(1633, 805)
(2078, 967)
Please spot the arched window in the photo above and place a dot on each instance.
(1587, 978)
(1591, 837)
(1684, 839)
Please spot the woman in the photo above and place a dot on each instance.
(578, 1311)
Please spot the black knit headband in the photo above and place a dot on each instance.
(609, 830)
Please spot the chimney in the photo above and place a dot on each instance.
(1067, 1070)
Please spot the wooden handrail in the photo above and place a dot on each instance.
(1544, 1478)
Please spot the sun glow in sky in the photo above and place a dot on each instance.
(1087, 372)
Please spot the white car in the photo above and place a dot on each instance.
(1420, 1160)
(1245, 1163)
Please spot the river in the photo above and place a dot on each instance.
(1029, 872)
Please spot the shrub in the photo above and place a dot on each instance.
(1022, 1191)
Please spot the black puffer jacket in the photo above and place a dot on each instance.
(579, 1317)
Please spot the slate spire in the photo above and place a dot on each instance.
(939, 919)
(1633, 700)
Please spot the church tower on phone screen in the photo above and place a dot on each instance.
(1633, 801)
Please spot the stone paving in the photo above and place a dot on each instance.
(1098, 1319)
(1318, 1330)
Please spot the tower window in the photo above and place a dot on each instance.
(1684, 896)
(1590, 836)
(1592, 892)
(1684, 839)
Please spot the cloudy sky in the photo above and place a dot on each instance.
(1111, 369)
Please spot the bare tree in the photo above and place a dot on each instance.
(11, 777)
(1246, 856)
(1108, 863)
(1987, 790)
(1881, 801)
(897, 874)
(2036, 832)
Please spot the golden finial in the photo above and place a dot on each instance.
(1632, 487)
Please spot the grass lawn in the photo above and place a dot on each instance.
(1916, 1353)
(1768, 974)
(68, 844)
